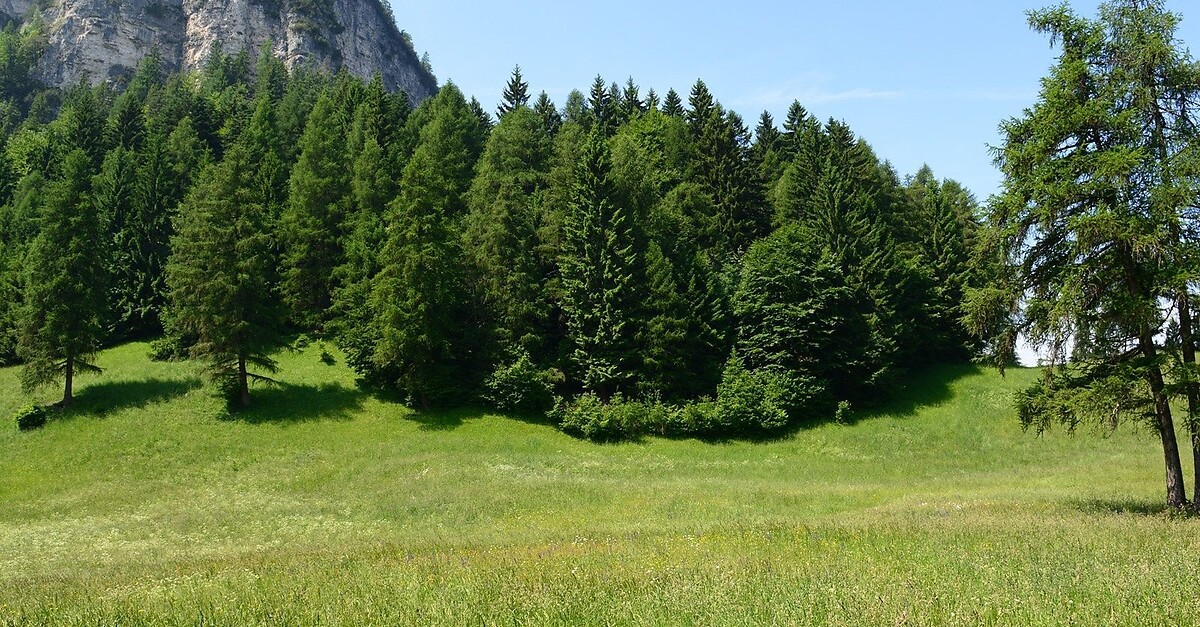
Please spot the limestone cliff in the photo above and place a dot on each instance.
(106, 39)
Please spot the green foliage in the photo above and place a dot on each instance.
(520, 386)
(62, 322)
(311, 227)
(598, 266)
(31, 417)
(590, 417)
(221, 274)
(765, 400)
(418, 297)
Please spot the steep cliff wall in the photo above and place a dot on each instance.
(103, 39)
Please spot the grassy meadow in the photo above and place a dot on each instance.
(323, 505)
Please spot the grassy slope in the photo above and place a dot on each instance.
(327, 506)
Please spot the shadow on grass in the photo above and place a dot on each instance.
(924, 388)
(102, 399)
(928, 387)
(292, 404)
(1133, 507)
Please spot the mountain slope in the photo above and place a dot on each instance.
(105, 40)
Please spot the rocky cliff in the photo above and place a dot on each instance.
(106, 39)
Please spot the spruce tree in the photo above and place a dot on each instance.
(62, 322)
(549, 116)
(597, 268)
(673, 104)
(499, 234)
(516, 93)
(221, 277)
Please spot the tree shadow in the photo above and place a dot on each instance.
(286, 403)
(1132, 506)
(102, 399)
(928, 387)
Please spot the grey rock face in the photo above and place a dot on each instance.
(106, 39)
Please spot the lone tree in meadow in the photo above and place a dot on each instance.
(1096, 224)
(66, 289)
(220, 277)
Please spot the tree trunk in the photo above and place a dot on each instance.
(68, 392)
(1176, 490)
(243, 382)
(1188, 345)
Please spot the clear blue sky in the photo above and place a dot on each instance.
(924, 81)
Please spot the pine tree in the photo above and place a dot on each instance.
(597, 276)
(516, 93)
(221, 277)
(62, 324)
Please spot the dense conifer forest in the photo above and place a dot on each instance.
(627, 261)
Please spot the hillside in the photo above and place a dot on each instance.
(105, 40)
(325, 505)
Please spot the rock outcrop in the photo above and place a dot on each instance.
(106, 39)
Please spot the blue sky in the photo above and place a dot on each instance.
(924, 81)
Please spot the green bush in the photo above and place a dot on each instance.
(764, 400)
(32, 417)
(520, 387)
(591, 418)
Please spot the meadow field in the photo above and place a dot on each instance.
(324, 505)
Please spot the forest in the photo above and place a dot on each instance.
(630, 263)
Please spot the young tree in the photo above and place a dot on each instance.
(1087, 223)
(62, 324)
(221, 277)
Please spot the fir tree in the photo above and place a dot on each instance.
(311, 227)
(673, 104)
(418, 299)
(551, 120)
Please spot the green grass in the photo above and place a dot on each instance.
(325, 505)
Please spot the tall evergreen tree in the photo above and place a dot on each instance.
(221, 277)
(313, 222)
(598, 267)
(419, 302)
(499, 234)
(549, 116)
(62, 324)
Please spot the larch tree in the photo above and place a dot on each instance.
(1088, 225)
(221, 277)
(62, 323)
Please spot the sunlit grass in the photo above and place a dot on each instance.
(325, 505)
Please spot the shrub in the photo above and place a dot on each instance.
(32, 417)
(764, 400)
(591, 418)
(520, 387)
(168, 348)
